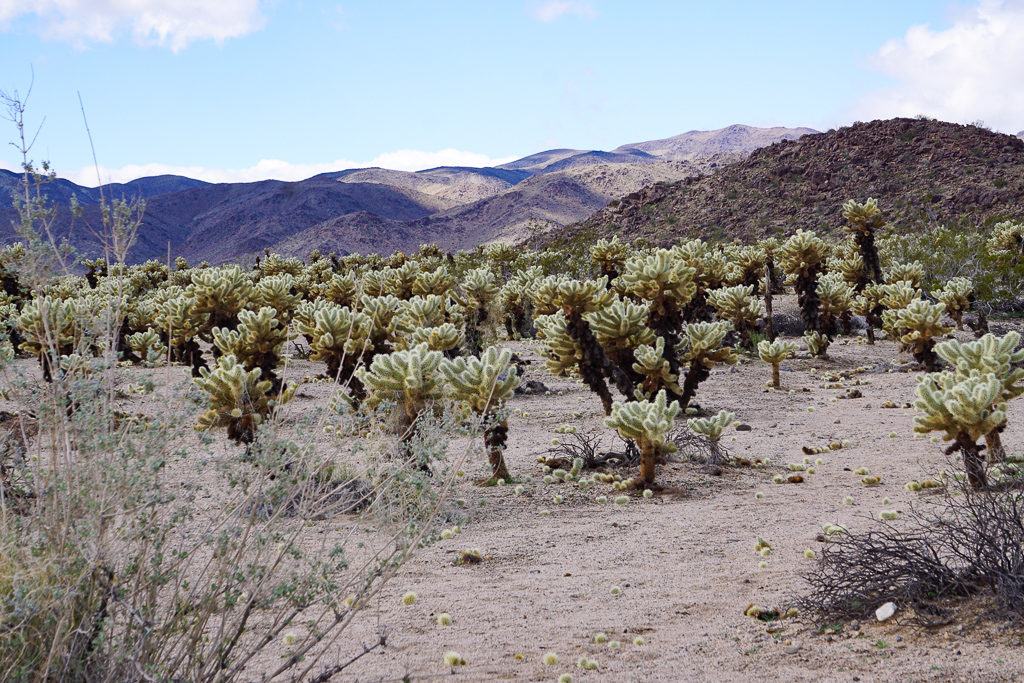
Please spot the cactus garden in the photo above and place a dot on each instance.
(592, 463)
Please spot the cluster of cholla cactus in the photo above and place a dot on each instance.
(148, 346)
(738, 306)
(921, 322)
(476, 294)
(486, 384)
(648, 424)
(610, 257)
(256, 342)
(237, 399)
(1008, 238)
(700, 349)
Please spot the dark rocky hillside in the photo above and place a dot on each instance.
(914, 167)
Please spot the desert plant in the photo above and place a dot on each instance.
(869, 304)
(477, 291)
(699, 350)
(711, 429)
(620, 329)
(653, 371)
(256, 342)
(180, 322)
(1008, 238)
(803, 256)
(989, 354)
(817, 343)
(648, 424)
(438, 282)
(775, 352)
(864, 220)
(411, 379)
(486, 384)
(446, 338)
(340, 338)
(220, 294)
(835, 302)
(963, 409)
(912, 272)
(922, 322)
(610, 257)
(956, 296)
(148, 346)
(237, 399)
(738, 306)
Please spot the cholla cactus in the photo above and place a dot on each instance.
(906, 272)
(610, 256)
(238, 399)
(256, 343)
(699, 350)
(51, 328)
(964, 409)
(400, 282)
(835, 299)
(477, 292)
(577, 298)
(437, 282)
(148, 346)
(653, 371)
(561, 351)
(896, 296)
(817, 343)
(864, 220)
(648, 424)
(989, 354)
(517, 303)
(922, 321)
(711, 428)
(180, 322)
(738, 306)
(277, 292)
(711, 271)
(957, 296)
(422, 311)
(446, 338)
(383, 312)
(340, 337)
(485, 384)
(665, 282)
(340, 289)
(869, 305)
(750, 262)
(220, 294)
(1008, 238)
(412, 379)
(621, 328)
(775, 352)
(803, 256)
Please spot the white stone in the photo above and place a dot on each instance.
(885, 611)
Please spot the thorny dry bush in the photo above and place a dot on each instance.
(970, 543)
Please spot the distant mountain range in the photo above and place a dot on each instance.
(375, 209)
(917, 169)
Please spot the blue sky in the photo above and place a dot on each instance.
(244, 89)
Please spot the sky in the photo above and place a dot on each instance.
(242, 90)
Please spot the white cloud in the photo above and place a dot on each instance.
(973, 70)
(402, 160)
(552, 10)
(168, 23)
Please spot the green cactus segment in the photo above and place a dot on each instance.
(956, 296)
(775, 352)
(711, 428)
(561, 352)
(446, 338)
(653, 371)
(912, 273)
(963, 409)
(221, 293)
(485, 384)
(610, 256)
(238, 399)
(699, 350)
(256, 342)
(1008, 238)
(648, 423)
(478, 290)
(738, 306)
(835, 297)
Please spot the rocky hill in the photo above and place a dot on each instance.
(735, 139)
(914, 167)
(381, 210)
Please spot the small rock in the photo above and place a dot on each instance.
(886, 611)
(743, 428)
(854, 625)
(794, 648)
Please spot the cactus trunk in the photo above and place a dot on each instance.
(648, 455)
(694, 376)
(595, 365)
(994, 444)
(494, 439)
(776, 380)
(973, 461)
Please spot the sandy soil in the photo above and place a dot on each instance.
(684, 560)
